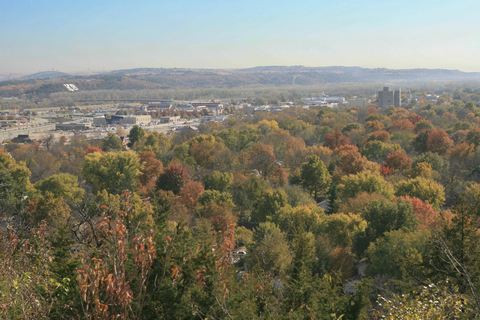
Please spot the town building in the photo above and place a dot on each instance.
(170, 119)
(160, 106)
(358, 102)
(388, 97)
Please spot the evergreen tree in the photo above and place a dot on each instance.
(333, 197)
(136, 134)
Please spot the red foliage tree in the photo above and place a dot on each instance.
(439, 142)
(189, 194)
(279, 177)
(414, 118)
(426, 214)
(385, 171)
(151, 169)
(382, 136)
(351, 161)
(402, 125)
(335, 140)
(398, 161)
(92, 150)
(173, 179)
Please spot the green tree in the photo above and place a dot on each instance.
(383, 216)
(365, 181)
(315, 176)
(62, 185)
(217, 180)
(436, 162)
(268, 204)
(456, 250)
(173, 179)
(269, 248)
(216, 197)
(399, 254)
(423, 189)
(341, 228)
(111, 171)
(14, 183)
(332, 199)
(112, 143)
(136, 134)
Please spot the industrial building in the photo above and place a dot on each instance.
(72, 126)
(119, 119)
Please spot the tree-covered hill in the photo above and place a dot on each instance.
(35, 86)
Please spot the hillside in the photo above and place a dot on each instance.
(41, 85)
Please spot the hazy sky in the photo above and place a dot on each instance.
(105, 34)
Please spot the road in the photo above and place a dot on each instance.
(43, 128)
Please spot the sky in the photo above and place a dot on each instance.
(83, 35)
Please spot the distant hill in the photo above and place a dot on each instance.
(36, 86)
(46, 75)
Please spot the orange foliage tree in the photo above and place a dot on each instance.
(382, 136)
(263, 158)
(107, 290)
(189, 194)
(278, 177)
(151, 169)
(402, 125)
(439, 142)
(398, 161)
(462, 150)
(335, 140)
(374, 125)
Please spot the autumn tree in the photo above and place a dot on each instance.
(398, 161)
(335, 140)
(351, 161)
(150, 170)
(190, 193)
(263, 158)
(382, 136)
(14, 183)
(374, 125)
(439, 142)
(426, 214)
(278, 177)
(423, 189)
(401, 125)
(462, 150)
